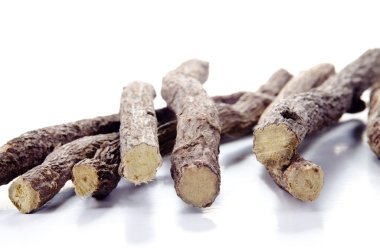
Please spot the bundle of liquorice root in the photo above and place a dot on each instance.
(95, 153)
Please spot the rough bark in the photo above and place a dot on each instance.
(235, 123)
(140, 154)
(305, 81)
(275, 83)
(373, 123)
(195, 168)
(34, 188)
(287, 124)
(239, 112)
(98, 176)
(30, 149)
(194, 68)
(302, 179)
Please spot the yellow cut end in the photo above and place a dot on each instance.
(305, 183)
(85, 180)
(140, 163)
(23, 196)
(198, 186)
(275, 145)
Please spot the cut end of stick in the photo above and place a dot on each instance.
(85, 180)
(140, 163)
(198, 186)
(275, 145)
(23, 196)
(305, 183)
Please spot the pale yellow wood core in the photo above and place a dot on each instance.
(305, 183)
(23, 196)
(140, 163)
(275, 145)
(85, 180)
(198, 186)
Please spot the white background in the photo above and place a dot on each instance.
(66, 60)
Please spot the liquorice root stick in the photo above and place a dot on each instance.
(305, 81)
(34, 188)
(195, 168)
(139, 149)
(98, 176)
(286, 125)
(294, 117)
(373, 125)
(88, 175)
(30, 149)
(302, 178)
(239, 112)
(307, 178)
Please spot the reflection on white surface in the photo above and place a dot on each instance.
(250, 211)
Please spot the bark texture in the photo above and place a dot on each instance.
(373, 124)
(240, 112)
(195, 168)
(305, 81)
(275, 83)
(302, 179)
(287, 124)
(194, 68)
(312, 184)
(30, 149)
(98, 176)
(33, 189)
(140, 154)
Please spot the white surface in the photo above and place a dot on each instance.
(67, 60)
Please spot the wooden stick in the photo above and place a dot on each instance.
(305, 81)
(373, 124)
(30, 149)
(195, 168)
(34, 188)
(140, 155)
(286, 125)
(98, 176)
(309, 188)
(299, 115)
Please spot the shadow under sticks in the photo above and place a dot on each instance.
(195, 219)
(126, 195)
(235, 151)
(330, 149)
(62, 197)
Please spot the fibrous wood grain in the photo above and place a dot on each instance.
(373, 124)
(98, 176)
(34, 188)
(299, 115)
(140, 155)
(302, 179)
(30, 149)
